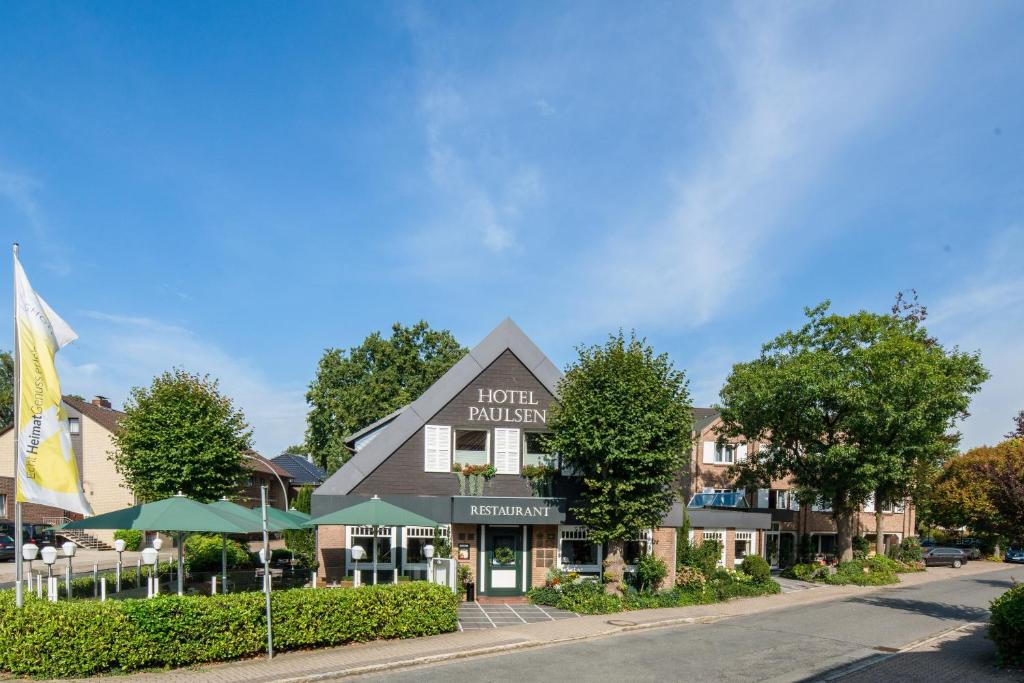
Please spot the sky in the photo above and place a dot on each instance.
(234, 187)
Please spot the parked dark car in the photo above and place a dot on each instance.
(7, 548)
(971, 546)
(953, 557)
(1015, 555)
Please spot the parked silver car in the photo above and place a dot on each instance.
(7, 548)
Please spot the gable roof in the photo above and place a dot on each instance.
(301, 469)
(351, 439)
(703, 417)
(108, 418)
(257, 463)
(507, 336)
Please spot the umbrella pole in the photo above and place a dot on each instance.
(374, 554)
(181, 563)
(266, 570)
(223, 563)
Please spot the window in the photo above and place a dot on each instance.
(534, 452)
(576, 551)
(363, 536)
(3, 504)
(826, 544)
(725, 454)
(745, 545)
(416, 538)
(74, 426)
(471, 446)
(506, 451)
(716, 535)
(634, 549)
(781, 500)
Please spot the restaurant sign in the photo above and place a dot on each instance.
(487, 510)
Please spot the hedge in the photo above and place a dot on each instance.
(83, 638)
(1006, 627)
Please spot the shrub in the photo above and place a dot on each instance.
(650, 572)
(203, 554)
(909, 550)
(690, 578)
(82, 638)
(281, 555)
(588, 597)
(757, 568)
(1006, 626)
(705, 557)
(868, 572)
(131, 537)
(726, 585)
(861, 547)
(806, 571)
(547, 595)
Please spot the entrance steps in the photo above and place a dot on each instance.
(500, 600)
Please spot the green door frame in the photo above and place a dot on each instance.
(516, 533)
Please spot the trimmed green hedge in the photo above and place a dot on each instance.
(83, 638)
(1006, 627)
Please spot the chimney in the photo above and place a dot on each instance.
(101, 401)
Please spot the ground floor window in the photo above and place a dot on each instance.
(576, 551)
(363, 537)
(636, 548)
(745, 544)
(415, 539)
(824, 544)
(717, 535)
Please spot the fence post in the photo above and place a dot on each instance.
(213, 585)
(103, 589)
(95, 578)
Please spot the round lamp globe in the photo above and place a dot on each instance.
(49, 554)
(29, 552)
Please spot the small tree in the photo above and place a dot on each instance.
(355, 388)
(623, 423)
(849, 406)
(302, 542)
(181, 434)
(1018, 427)
(6, 389)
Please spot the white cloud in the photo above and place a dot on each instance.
(117, 352)
(986, 313)
(787, 107)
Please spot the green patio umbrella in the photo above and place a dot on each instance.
(376, 513)
(177, 513)
(277, 520)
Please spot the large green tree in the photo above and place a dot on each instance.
(6, 389)
(623, 424)
(850, 406)
(355, 388)
(181, 434)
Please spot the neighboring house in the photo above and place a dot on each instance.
(710, 475)
(92, 426)
(302, 469)
(489, 408)
(264, 472)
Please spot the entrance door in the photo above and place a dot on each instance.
(771, 548)
(504, 560)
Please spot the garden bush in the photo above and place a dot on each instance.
(806, 571)
(909, 551)
(757, 568)
(83, 638)
(203, 554)
(1006, 626)
(690, 578)
(131, 537)
(742, 586)
(873, 571)
(705, 557)
(861, 547)
(650, 572)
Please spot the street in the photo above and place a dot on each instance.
(856, 638)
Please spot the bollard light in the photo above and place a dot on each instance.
(149, 556)
(29, 551)
(428, 551)
(49, 554)
(358, 553)
(69, 549)
(119, 545)
(119, 549)
(158, 543)
(263, 555)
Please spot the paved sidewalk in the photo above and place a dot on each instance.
(295, 667)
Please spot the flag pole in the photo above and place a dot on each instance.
(19, 569)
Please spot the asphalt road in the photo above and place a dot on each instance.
(855, 638)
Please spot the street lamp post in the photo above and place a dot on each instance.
(49, 554)
(119, 548)
(358, 553)
(69, 549)
(428, 552)
(149, 558)
(29, 552)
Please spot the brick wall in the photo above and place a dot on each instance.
(545, 553)
(665, 549)
(331, 549)
(467, 533)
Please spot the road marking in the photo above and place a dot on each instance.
(515, 612)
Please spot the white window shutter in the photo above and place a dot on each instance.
(709, 452)
(741, 452)
(437, 453)
(506, 451)
(762, 498)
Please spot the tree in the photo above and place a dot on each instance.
(181, 434)
(983, 489)
(623, 423)
(302, 541)
(297, 449)
(1018, 427)
(357, 387)
(849, 406)
(6, 389)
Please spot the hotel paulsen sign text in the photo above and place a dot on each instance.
(494, 510)
(507, 405)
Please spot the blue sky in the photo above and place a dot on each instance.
(233, 187)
